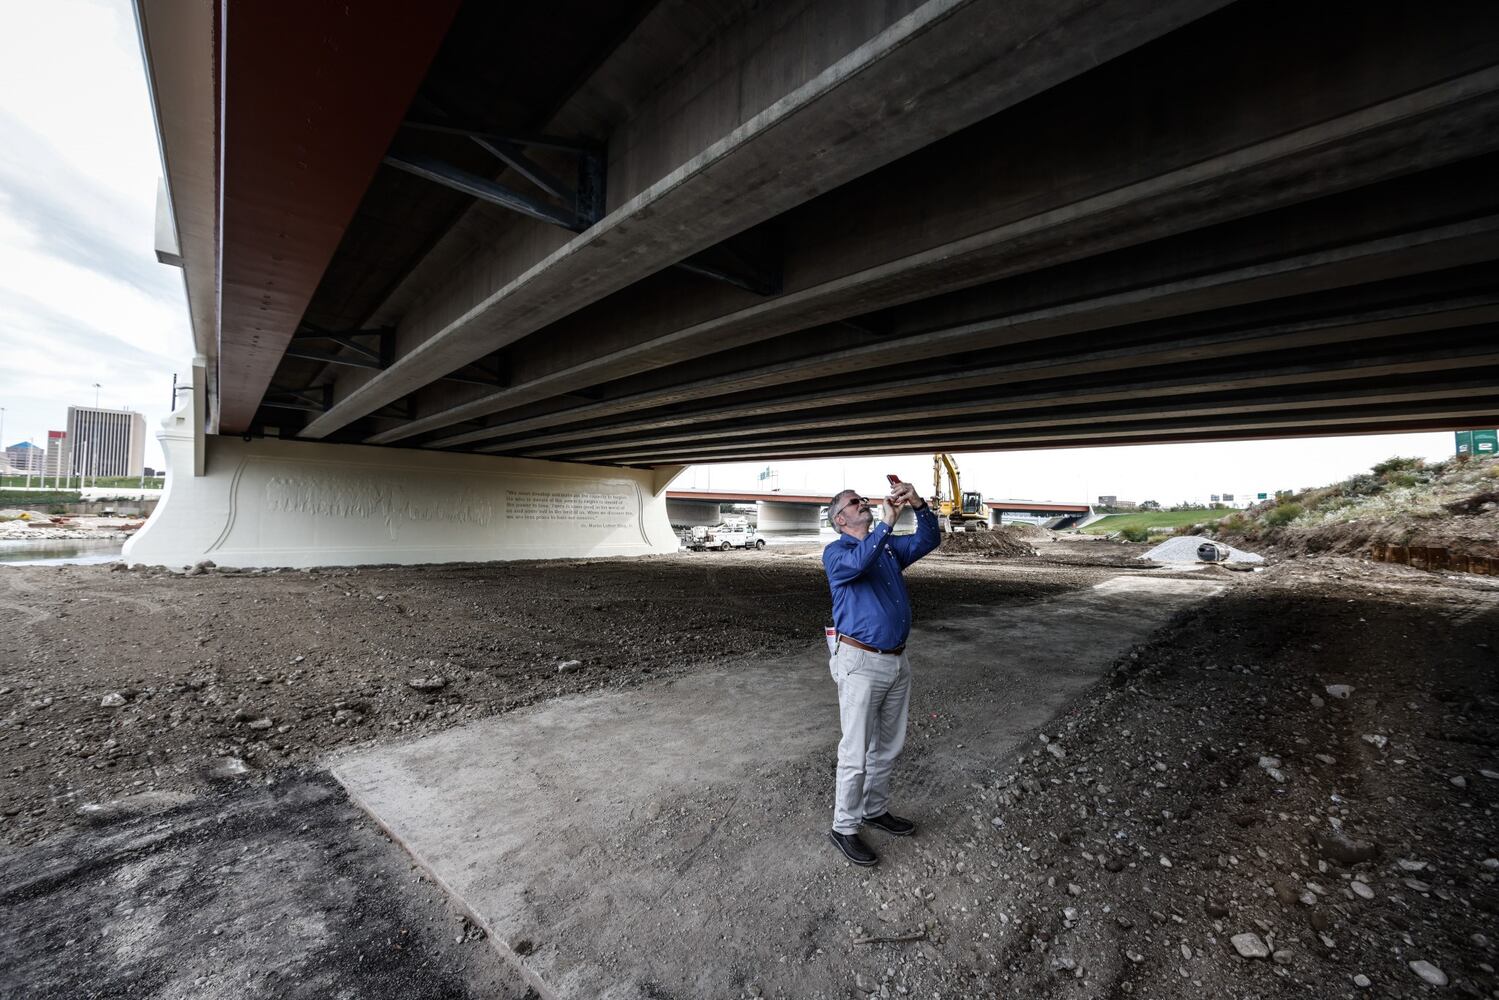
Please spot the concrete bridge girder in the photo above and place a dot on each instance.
(718, 183)
(1304, 297)
(1443, 123)
(1447, 394)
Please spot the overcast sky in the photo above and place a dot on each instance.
(83, 300)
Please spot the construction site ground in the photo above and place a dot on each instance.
(1118, 773)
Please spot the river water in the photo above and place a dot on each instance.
(58, 551)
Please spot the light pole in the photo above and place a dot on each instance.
(96, 395)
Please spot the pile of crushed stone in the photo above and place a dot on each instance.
(1183, 549)
(985, 543)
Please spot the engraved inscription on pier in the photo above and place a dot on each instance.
(584, 509)
(351, 497)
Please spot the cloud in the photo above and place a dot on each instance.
(82, 297)
(70, 215)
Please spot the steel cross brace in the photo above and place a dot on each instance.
(377, 358)
(490, 376)
(309, 399)
(582, 203)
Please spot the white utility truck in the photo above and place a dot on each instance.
(725, 536)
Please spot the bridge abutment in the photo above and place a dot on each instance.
(788, 517)
(274, 503)
(690, 513)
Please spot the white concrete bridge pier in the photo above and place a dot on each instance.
(267, 502)
(789, 516)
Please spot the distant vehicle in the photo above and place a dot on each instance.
(726, 536)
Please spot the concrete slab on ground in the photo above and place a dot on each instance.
(670, 842)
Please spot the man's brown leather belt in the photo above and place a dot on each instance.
(868, 648)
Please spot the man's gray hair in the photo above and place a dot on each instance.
(838, 498)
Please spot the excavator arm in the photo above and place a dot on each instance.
(945, 466)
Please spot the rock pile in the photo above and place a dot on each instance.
(1183, 548)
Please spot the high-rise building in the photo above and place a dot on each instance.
(104, 442)
(56, 461)
(23, 456)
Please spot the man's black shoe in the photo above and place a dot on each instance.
(853, 848)
(891, 824)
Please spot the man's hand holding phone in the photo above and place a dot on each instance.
(903, 494)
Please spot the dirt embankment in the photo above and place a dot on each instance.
(1451, 508)
(1461, 535)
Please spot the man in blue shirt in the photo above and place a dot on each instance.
(872, 614)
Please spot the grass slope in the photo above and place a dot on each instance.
(71, 482)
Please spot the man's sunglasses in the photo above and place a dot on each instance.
(851, 501)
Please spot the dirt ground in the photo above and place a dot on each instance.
(266, 671)
(1216, 747)
(1220, 783)
(239, 891)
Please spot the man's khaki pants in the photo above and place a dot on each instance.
(874, 697)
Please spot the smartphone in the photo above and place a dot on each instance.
(894, 479)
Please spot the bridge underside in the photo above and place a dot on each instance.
(671, 232)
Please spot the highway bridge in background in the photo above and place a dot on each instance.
(804, 512)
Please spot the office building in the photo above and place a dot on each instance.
(24, 457)
(104, 442)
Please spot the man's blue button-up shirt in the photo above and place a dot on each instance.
(870, 602)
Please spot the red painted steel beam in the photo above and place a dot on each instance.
(313, 93)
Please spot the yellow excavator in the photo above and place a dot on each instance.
(956, 510)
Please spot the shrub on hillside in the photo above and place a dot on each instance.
(1397, 464)
(1363, 485)
(1284, 514)
(1233, 524)
(1313, 499)
(1134, 534)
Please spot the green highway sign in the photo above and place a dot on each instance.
(1480, 443)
